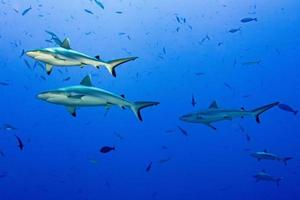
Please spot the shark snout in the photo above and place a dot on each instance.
(32, 53)
(43, 96)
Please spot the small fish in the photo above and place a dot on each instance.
(26, 11)
(27, 64)
(99, 4)
(184, 132)
(228, 86)
(4, 83)
(22, 53)
(149, 167)
(287, 108)
(107, 149)
(88, 11)
(67, 79)
(234, 30)
(164, 147)
(199, 73)
(43, 77)
(248, 19)
(119, 136)
(2, 153)
(8, 127)
(164, 51)
(162, 161)
(119, 12)
(193, 101)
(3, 175)
(255, 62)
(20, 143)
(248, 138)
(121, 33)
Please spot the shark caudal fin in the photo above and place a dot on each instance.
(278, 181)
(258, 111)
(111, 65)
(139, 105)
(284, 160)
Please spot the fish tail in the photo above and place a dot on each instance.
(136, 107)
(295, 112)
(111, 65)
(278, 181)
(258, 111)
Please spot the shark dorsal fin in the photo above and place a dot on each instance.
(97, 57)
(66, 44)
(86, 81)
(123, 96)
(214, 105)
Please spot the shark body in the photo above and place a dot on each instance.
(85, 95)
(265, 155)
(215, 114)
(64, 56)
(264, 176)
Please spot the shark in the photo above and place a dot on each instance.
(214, 114)
(64, 56)
(265, 155)
(264, 176)
(86, 95)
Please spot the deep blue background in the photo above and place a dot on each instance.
(61, 157)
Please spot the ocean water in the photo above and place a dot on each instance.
(184, 49)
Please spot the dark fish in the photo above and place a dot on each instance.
(228, 86)
(287, 108)
(3, 175)
(26, 11)
(234, 30)
(99, 4)
(4, 83)
(248, 19)
(27, 64)
(20, 143)
(184, 132)
(164, 51)
(121, 33)
(119, 12)
(149, 167)
(67, 79)
(248, 138)
(107, 149)
(164, 147)
(22, 53)
(255, 62)
(2, 153)
(88, 11)
(199, 73)
(119, 136)
(43, 77)
(193, 101)
(162, 161)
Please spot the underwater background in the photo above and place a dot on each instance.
(185, 49)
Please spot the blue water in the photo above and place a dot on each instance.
(61, 158)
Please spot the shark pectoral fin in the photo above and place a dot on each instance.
(227, 118)
(211, 126)
(49, 68)
(72, 110)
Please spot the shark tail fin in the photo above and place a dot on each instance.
(111, 65)
(286, 159)
(139, 105)
(258, 111)
(278, 181)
